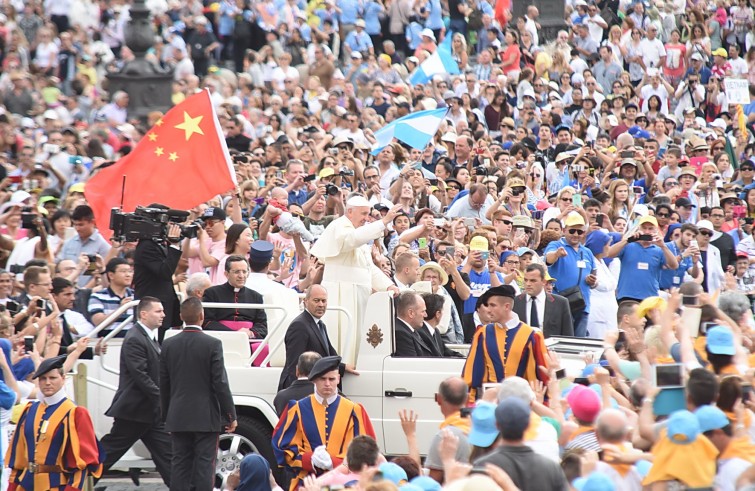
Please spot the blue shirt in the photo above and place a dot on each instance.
(672, 278)
(75, 247)
(350, 10)
(435, 18)
(372, 13)
(568, 268)
(640, 271)
(478, 284)
(359, 41)
(297, 197)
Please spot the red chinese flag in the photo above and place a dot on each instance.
(181, 162)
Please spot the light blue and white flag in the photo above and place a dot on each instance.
(415, 129)
(439, 62)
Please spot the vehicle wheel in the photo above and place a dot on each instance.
(251, 436)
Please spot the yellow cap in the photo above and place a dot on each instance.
(326, 172)
(76, 188)
(574, 219)
(650, 303)
(648, 219)
(478, 243)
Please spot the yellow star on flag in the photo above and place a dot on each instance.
(159, 122)
(190, 125)
(152, 137)
(173, 156)
(159, 151)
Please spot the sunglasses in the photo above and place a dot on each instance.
(453, 187)
(566, 200)
(705, 233)
(746, 169)
(507, 222)
(576, 231)
(662, 215)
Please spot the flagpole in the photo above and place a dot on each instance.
(123, 191)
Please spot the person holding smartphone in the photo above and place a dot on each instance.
(643, 255)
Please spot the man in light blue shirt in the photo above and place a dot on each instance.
(473, 205)
(358, 40)
(86, 241)
(350, 11)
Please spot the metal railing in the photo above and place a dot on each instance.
(222, 305)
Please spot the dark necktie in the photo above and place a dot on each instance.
(323, 335)
(155, 343)
(534, 321)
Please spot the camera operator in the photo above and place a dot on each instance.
(154, 265)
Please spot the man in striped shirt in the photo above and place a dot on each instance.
(102, 303)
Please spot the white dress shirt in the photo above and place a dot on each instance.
(540, 301)
(330, 400)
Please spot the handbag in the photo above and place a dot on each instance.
(574, 294)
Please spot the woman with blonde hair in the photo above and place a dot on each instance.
(617, 47)
(559, 66)
(459, 51)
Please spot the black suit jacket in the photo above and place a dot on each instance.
(302, 335)
(557, 321)
(409, 344)
(138, 395)
(154, 265)
(194, 391)
(224, 293)
(436, 344)
(299, 389)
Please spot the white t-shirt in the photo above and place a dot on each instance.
(739, 67)
(596, 32)
(647, 91)
(652, 50)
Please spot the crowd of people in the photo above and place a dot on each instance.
(598, 184)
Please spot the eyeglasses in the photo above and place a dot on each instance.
(513, 263)
(671, 184)
(576, 231)
(705, 233)
(662, 215)
(210, 223)
(566, 200)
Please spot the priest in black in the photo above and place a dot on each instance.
(250, 320)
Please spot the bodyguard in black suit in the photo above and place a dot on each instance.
(302, 386)
(154, 265)
(196, 400)
(136, 405)
(307, 333)
(410, 316)
(551, 313)
(429, 330)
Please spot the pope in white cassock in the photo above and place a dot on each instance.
(350, 275)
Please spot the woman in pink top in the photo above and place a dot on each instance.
(676, 59)
(511, 56)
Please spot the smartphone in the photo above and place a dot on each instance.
(41, 303)
(310, 178)
(538, 214)
(333, 151)
(638, 190)
(51, 148)
(707, 325)
(746, 393)
(279, 174)
(422, 242)
(669, 375)
(11, 305)
(15, 179)
(560, 374)
(450, 251)
(693, 243)
(417, 166)
(75, 160)
(479, 150)
(690, 300)
(470, 222)
(486, 162)
(599, 219)
(28, 344)
(690, 319)
(484, 255)
(439, 222)
(622, 337)
(645, 237)
(576, 200)
(582, 381)
(433, 182)
(591, 172)
(627, 154)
